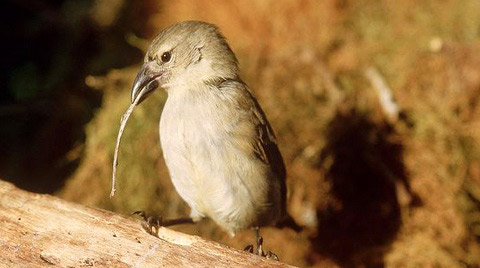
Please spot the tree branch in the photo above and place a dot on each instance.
(43, 231)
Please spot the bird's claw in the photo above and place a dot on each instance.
(260, 252)
(271, 255)
(249, 248)
(150, 224)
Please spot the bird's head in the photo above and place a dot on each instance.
(185, 56)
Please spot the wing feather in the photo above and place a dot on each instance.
(265, 145)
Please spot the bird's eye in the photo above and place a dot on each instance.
(166, 56)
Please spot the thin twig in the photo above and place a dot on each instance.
(123, 123)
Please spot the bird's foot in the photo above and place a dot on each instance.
(259, 251)
(150, 224)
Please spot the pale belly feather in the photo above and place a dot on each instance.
(205, 166)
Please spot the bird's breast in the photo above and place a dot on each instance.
(195, 142)
(190, 125)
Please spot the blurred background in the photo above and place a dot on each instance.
(376, 106)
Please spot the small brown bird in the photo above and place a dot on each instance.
(219, 147)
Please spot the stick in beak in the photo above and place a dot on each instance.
(145, 83)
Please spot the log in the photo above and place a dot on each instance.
(39, 230)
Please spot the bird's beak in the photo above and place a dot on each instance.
(146, 81)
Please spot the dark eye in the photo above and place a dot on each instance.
(166, 56)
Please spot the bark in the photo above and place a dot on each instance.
(39, 230)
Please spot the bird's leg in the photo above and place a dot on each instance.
(260, 251)
(250, 248)
(151, 224)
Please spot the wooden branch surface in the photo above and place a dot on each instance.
(44, 231)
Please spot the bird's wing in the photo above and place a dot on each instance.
(266, 148)
(265, 145)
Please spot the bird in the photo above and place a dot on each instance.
(220, 150)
